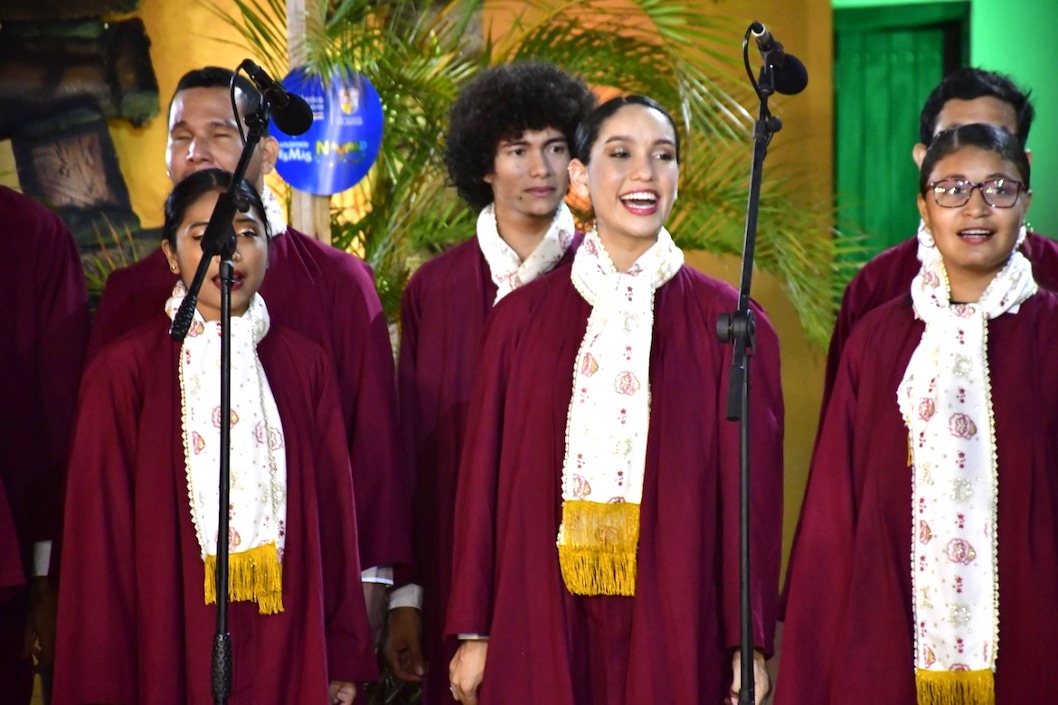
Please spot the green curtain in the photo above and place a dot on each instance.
(887, 60)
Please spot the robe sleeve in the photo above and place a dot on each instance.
(350, 649)
(97, 630)
(367, 379)
(766, 490)
(818, 583)
(471, 602)
(63, 319)
(410, 425)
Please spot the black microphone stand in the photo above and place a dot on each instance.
(219, 239)
(739, 329)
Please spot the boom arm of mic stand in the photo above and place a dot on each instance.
(739, 329)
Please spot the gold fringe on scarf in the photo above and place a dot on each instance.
(955, 687)
(253, 576)
(597, 547)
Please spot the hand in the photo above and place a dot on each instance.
(403, 644)
(376, 600)
(467, 669)
(40, 625)
(341, 692)
(761, 682)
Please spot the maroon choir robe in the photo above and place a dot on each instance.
(888, 276)
(328, 296)
(133, 624)
(672, 642)
(44, 316)
(443, 316)
(848, 635)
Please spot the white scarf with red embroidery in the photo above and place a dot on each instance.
(946, 401)
(609, 417)
(257, 501)
(508, 270)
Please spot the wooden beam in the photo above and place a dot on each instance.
(308, 213)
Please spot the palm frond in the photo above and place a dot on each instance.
(418, 54)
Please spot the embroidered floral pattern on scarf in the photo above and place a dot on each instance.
(508, 270)
(609, 417)
(945, 399)
(257, 508)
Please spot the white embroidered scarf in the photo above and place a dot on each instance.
(257, 514)
(508, 270)
(277, 222)
(946, 401)
(609, 417)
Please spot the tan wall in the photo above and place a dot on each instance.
(184, 36)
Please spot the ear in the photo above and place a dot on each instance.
(1028, 155)
(923, 211)
(918, 153)
(269, 147)
(170, 256)
(578, 178)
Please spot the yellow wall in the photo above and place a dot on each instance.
(184, 36)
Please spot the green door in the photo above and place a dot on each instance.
(887, 60)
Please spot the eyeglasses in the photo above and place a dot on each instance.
(954, 193)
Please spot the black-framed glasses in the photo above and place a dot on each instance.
(954, 193)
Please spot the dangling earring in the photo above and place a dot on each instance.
(1022, 234)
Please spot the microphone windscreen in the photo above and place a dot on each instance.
(791, 78)
(295, 118)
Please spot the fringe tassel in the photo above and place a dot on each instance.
(253, 576)
(955, 687)
(597, 546)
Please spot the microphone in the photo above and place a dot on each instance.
(790, 75)
(290, 113)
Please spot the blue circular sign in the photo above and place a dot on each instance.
(343, 142)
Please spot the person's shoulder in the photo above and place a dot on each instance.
(1045, 300)
(455, 261)
(302, 260)
(896, 259)
(133, 351)
(323, 253)
(881, 320)
(21, 211)
(31, 230)
(1038, 246)
(703, 283)
(149, 269)
(709, 293)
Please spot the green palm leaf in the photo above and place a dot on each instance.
(686, 55)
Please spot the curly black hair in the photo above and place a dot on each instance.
(500, 103)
